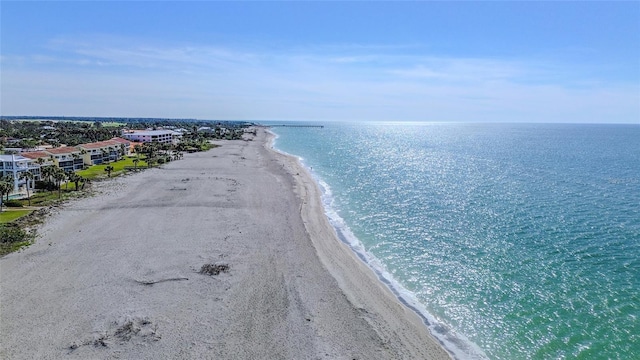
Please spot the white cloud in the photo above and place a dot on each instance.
(123, 77)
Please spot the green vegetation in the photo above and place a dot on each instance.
(27, 176)
(10, 215)
(112, 124)
(194, 145)
(36, 131)
(13, 203)
(9, 247)
(13, 223)
(97, 171)
(46, 198)
(13, 238)
(108, 169)
(6, 187)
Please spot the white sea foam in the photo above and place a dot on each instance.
(456, 344)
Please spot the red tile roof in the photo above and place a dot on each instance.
(62, 150)
(121, 140)
(115, 143)
(35, 154)
(100, 144)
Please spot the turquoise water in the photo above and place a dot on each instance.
(514, 241)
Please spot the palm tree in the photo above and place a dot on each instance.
(47, 172)
(9, 178)
(83, 152)
(151, 149)
(123, 150)
(5, 188)
(108, 169)
(105, 154)
(40, 162)
(136, 149)
(59, 175)
(135, 163)
(165, 147)
(27, 176)
(75, 178)
(75, 157)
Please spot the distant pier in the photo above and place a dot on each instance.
(304, 126)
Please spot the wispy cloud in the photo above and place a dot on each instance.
(466, 70)
(129, 77)
(142, 55)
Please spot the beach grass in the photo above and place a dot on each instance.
(44, 198)
(13, 238)
(6, 248)
(10, 215)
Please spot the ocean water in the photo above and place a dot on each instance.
(514, 241)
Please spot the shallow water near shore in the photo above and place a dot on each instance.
(522, 239)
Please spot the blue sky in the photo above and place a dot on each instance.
(407, 61)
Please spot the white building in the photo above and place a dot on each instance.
(160, 136)
(14, 165)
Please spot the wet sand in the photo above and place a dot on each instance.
(118, 275)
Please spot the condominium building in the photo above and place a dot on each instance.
(68, 158)
(13, 165)
(160, 136)
(125, 142)
(35, 156)
(104, 151)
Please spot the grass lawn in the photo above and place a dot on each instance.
(42, 198)
(10, 215)
(97, 171)
(112, 124)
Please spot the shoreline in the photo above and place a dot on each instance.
(456, 345)
(292, 289)
(314, 215)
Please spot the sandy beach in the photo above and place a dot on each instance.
(120, 275)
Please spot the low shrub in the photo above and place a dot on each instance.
(12, 203)
(45, 185)
(13, 234)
